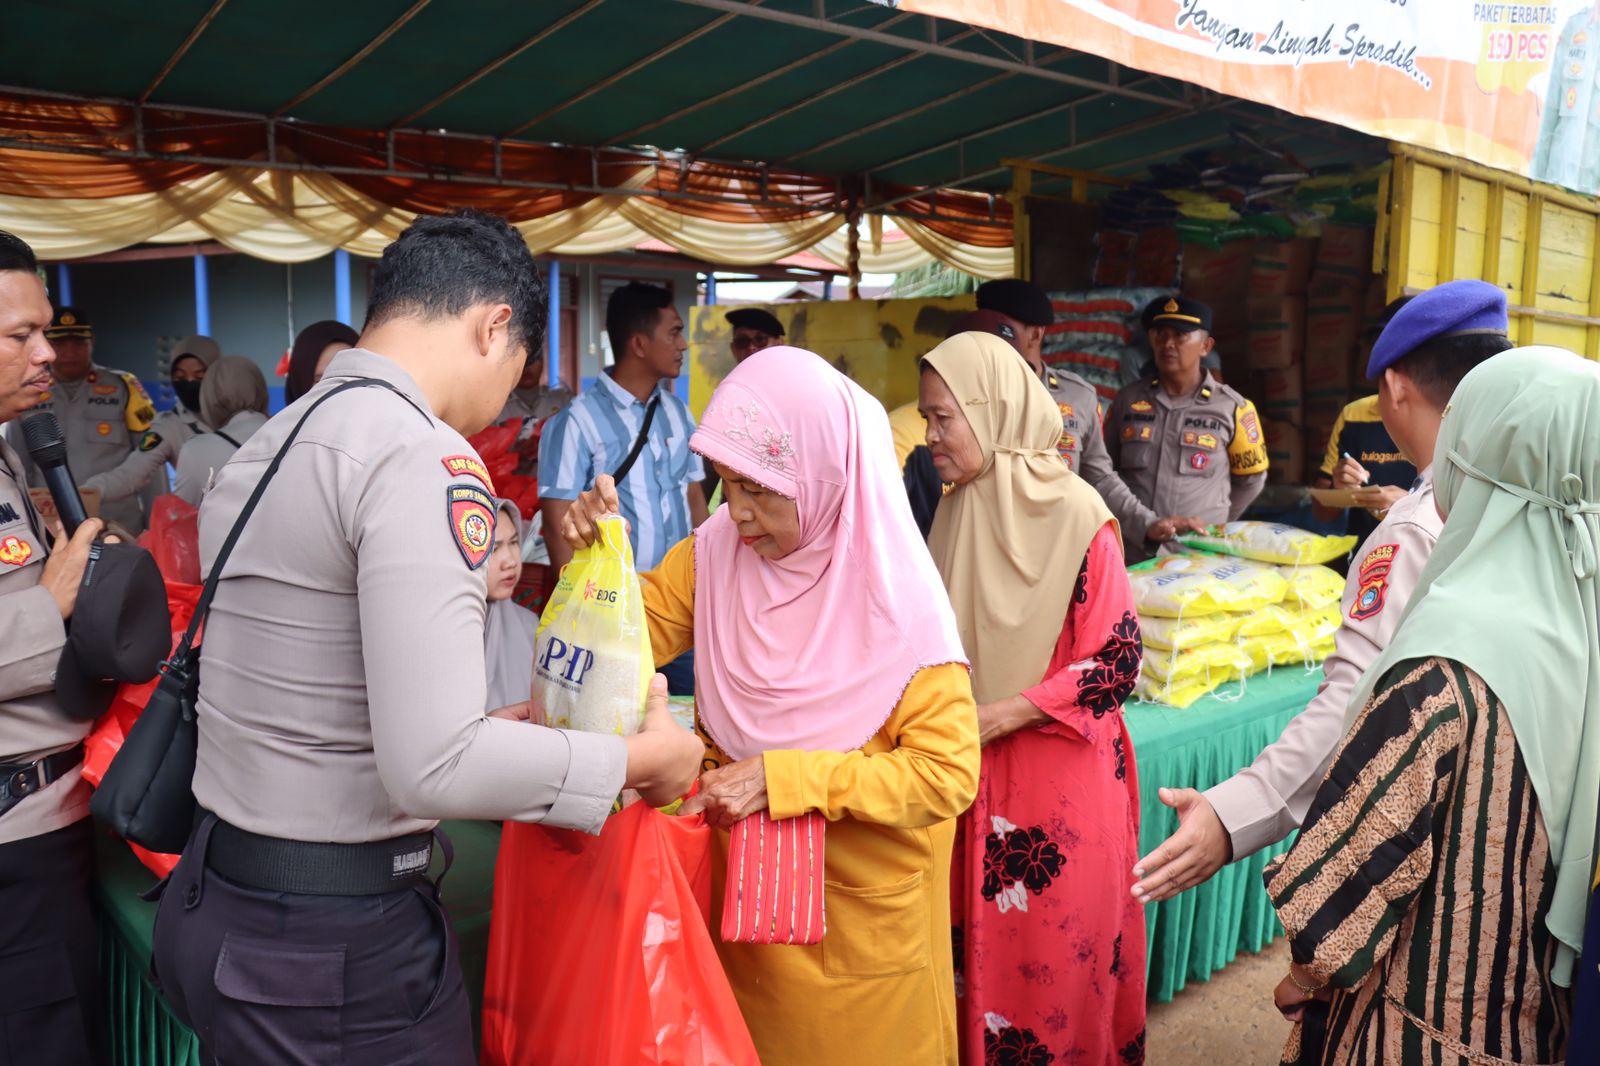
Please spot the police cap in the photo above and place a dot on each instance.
(762, 321)
(1018, 299)
(68, 322)
(984, 322)
(1454, 309)
(1177, 312)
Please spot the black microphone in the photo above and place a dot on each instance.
(48, 446)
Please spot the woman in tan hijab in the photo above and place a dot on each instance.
(1049, 945)
(233, 400)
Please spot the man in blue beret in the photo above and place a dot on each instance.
(1422, 354)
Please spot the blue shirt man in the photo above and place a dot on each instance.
(661, 497)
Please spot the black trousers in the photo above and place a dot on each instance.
(270, 978)
(51, 1010)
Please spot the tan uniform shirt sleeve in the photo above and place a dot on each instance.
(422, 614)
(135, 472)
(1133, 517)
(1267, 801)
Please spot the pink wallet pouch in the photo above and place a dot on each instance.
(774, 889)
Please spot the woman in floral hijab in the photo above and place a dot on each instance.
(1049, 944)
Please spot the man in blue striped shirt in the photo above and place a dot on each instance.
(661, 496)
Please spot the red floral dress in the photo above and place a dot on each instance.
(1049, 943)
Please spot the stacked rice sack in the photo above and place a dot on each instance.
(1211, 619)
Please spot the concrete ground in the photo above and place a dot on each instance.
(1227, 1021)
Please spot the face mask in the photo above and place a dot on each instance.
(188, 393)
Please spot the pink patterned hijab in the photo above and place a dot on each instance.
(814, 650)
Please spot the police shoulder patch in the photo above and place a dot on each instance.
(471, 514)
(150, 441)
(1372, 579)
(470, 465)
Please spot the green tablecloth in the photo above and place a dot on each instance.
(145, 1033)
(1190, 938)
(1201, 931)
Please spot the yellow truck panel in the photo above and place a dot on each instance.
(876, 343)
(1448, 218)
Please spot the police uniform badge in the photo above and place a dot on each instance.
(470, 465)
(471, 512)
(14, 551)
(150, 441)
(1372, 578)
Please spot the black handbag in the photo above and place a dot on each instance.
(146, 794)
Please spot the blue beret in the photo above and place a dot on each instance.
(1447, 310)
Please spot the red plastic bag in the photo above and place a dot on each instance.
(174, 539)
(599, 951)
(105, 739)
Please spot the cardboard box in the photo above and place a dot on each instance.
(1220, 277)
(1280, 395)
(1344, 263)
(1333, 325)
(1286, 455)
(1277, 333)
(1349, 247)
(1282, 269)
(1316, 438)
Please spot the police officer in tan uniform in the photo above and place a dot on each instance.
(50, 1011)
(103, 412)
(1423, 353)
(144, 470)
(1185, 443)
(1028, 311)
(341, 703)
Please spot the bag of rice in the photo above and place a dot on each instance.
(1270, 542)
(1285, 649)
(1208, 660)
(1267, 622)
(1312, 587)
(1196, 584)
(1181, 634)
(1182, 693)
(592, 663)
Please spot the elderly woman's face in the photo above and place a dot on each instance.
(768, 524)
(505, 561)
(957, 456)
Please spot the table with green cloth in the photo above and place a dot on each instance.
(144, 1031)
(1202, 930)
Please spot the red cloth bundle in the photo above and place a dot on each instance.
(774, 889)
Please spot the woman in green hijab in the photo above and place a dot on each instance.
(1435, 898)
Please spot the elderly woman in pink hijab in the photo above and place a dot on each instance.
(835, 702)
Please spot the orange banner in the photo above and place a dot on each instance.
(1512, 85)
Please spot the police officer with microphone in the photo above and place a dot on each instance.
(342, 686)
(50, 1009)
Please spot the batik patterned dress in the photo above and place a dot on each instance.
(1049, 943)
(1419, 888)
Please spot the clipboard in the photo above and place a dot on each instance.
(1336, 497)
(47, 506)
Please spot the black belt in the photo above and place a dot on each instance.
(17, 783)
(314, 869)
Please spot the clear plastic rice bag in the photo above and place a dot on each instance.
(1194, 585)
(592, 662)
(1312, 587)
(1270, 542)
